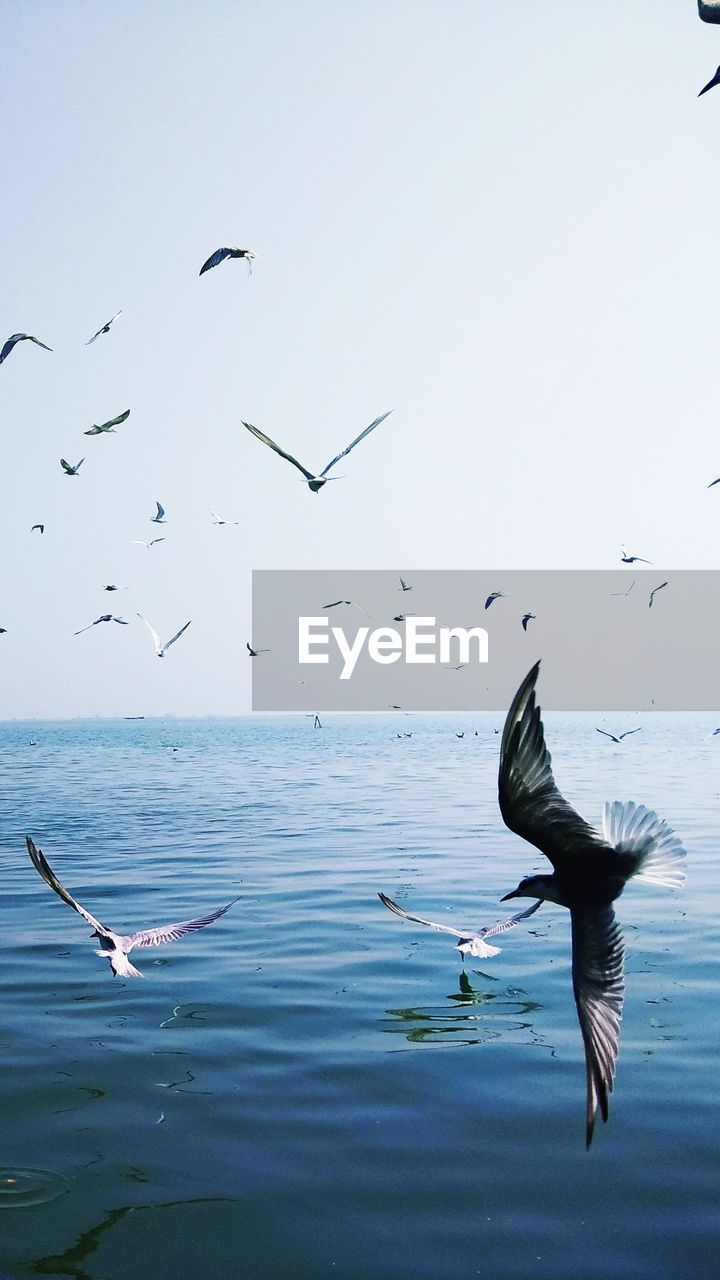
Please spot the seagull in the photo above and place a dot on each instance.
(159, 517)
(620, 736)
(494, 595)
(400, 617)
(459, 735)
(140, 542)
(111, 586)
(41, 527)
(96, 430)
(71, 471)
(404, 585)
(115, 947)
(654, 592)
(104, 617)
(315, 483)
(105, 328)
(161, 649)
(351, 603)
(20, 337)
(711, 83)
(527, 617)
(221, 254)
(590, 870)
(254, 652)
(624, 593)
(626, 559)
(470, 943)
(219, 520)
(3, 631)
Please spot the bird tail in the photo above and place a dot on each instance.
(634, 830)
(120, 965)
(476, 947)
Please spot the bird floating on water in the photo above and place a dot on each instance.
(105, 617)
(628, 559)
(620, 736)
(654, 592)
(159, 517)
(590, 870)
(527, 617)
(315, 482)
(20, 337)
(161, 649)
(471, 942)
(494, 595)
(105, 328)
(97, 430)
(116, 947)
(71, 471)
(221, 254)
(711, 83)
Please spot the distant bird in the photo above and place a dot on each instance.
(395, 706)
(315, 483)
(41, 527)
(316, 723)
(116, 947)
(626, 559)
(96, 430)
(471, 943)
(654, 592)
(3, 631)
(713, 482)
(527, 617)
(459, 735)
(219, 520)
(159, 517)
(620, 736)
(624, 593)
(590, 871)
(105, 617)
(351, 603)
(161, 649)
(458, 666)
(400, 617)
(404, 586)
(714, 732)
(140, 542)
(254, 652)
(494, 595)
(711, 83)
(221, 254)
(71, 471)
(112, 586)
(105, 328)
(20, 337)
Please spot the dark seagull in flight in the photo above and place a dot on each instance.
(116, 947)
(105, 328)
(20, 337)
(316, 482)
(714, 482)
(159, 517)
(221, 254)
(104, 617)
(334, 604)
(97, 430)
(472, 942)
(626, 559)
(590, 870)
(494, 595)
(41, 527)
(654, 592)
(253, 653)
(620, 736)
(527, 617)
(711, 83)
(71, 471)
(405, 586)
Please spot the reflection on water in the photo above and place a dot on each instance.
(503, 1012)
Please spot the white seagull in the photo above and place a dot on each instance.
(20, 337)
(159, 517)
(140, 542)
(590, 870)
(115, 947)
(315, 483)
(221, 254)
(161, 649)
(219, 520)
(471, 943)
(105, 328)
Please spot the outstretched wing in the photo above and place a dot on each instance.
(598, 986)
(41, 865)
(530, 802)
(104, 328)
(217, 257)
(503, 925)
(628, 732)
(611, 736)
(160, 511)
(441, 928)
(156, 639)
(66, 466)
(357, 440)
(276, 447)
(177, 635)
(171, 932)
(113, 422)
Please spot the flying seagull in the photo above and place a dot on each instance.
(527, 617)
(105, 617)
(41, 527)
(71, 471)
(116, 947)
(620, 736)
(624, 593)
(471, 943)
(159, 517)
(626, 559)
(20, 337)
(334, 604)
(3, 631)
(105, 328)
(654, 592)
(219, 520)
(254, 652)
(494, 595)
(590, 870)
(142, 543)
(315, 483)
(112, 586)
(221, 254)
(401, 617)
(404, 586)
(161, 649)
(96, 430)
(711, 83)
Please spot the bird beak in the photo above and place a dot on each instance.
(514, 894)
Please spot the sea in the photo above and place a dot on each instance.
(312, 1088)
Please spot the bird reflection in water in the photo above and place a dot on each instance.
(476, 1015)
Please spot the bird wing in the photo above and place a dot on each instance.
(502, 926)
(79, 464)
(357, 440)
(441, 928)
(653, 593)
(598, 986)
(41, 865)
(156, 639)
(8, 346)
(94, 431)
(712, 482)
(160, 510)
(112, 422)
(87, 628)
(627, 732)
(272, 445)
(711, 83)
(152, 541)
(171, 932)
(530, 802)
(177, 635)
(37, 342)
(215, 259)
(66, 466)
(611, 736)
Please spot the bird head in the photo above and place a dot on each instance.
(533, 887)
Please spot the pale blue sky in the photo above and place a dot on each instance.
(497, 218)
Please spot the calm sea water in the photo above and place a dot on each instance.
(312, 1087)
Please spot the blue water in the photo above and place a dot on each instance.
(312, 1087)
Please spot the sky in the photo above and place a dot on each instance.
(498, 220)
